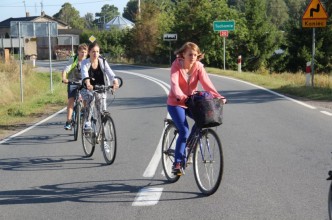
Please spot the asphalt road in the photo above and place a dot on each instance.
(276, 152)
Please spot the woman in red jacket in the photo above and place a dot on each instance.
(186, 72)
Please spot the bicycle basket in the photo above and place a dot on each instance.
(206, 110)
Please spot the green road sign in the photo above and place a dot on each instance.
(223, 25)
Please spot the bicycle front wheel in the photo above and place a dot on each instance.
(77, 120)
(330, 201)
(208, 162)
(168, 152)
(89, 139)
(108, 142)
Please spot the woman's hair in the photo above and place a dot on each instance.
(92, 45)
(82, 47)
(192, 46)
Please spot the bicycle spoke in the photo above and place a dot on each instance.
(168, 152)
(208, 162)
(108, 143)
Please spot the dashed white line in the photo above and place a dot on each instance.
(148, 197)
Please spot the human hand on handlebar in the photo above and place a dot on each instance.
(65, 81)
(115, 84)
(223, 100)
(88, 85)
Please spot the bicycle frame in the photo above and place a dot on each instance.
(191, 145)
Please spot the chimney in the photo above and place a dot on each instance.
(42, 13)
(27, 14)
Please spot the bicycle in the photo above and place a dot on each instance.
(76, 115)
(204, 145)
(102, 133)
(330, 195)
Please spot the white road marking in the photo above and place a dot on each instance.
(153, 165)
(31, 127)
(148, 197)
(270, 91)
(326, 113)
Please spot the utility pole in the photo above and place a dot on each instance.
(139, 7)
(25, 7)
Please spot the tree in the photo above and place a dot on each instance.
(107, 13)
(70, 15)
(130, 11)
(89, 21)
(264, 38)
(146, 37)
(277, 11)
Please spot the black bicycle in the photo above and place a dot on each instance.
(103, 129)
(76, 115)
(204, 146)
(330, 195)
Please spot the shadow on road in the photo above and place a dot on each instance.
(47, 163)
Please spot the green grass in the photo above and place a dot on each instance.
(37, 96)
(286, 83)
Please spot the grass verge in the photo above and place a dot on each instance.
(37, 97)
(286, 83)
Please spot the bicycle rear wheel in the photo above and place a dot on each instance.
(208, 162)
(77, 120)
(168, 152)
(89, 139)
(108, 141)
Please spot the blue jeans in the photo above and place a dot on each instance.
(179, 118)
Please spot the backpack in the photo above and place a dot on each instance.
(74, 64)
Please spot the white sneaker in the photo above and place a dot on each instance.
(87, 126)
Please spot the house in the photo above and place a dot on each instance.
(66, 40)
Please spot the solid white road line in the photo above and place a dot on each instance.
(31, 127)
(153, 165)
(326, 113)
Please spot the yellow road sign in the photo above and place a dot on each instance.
(92, 39)
(315, 15)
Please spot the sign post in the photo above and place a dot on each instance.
(314, 16)
(224, 27)
(33, 29)
(170, 37)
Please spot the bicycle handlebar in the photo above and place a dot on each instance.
(102, 88)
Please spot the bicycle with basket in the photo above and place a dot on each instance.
(203, 144)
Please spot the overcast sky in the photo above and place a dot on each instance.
(16, 8)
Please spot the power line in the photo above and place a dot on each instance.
(58, 5)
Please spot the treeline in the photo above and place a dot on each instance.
(268, 33)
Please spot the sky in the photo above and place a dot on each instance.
(16, 8)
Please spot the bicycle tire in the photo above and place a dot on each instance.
(168, 152)
(120, 81)
(330, 202)
(208, 162)
(89, 139)
(77, 120)
(108, 142)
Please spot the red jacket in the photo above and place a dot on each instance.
(181, 88)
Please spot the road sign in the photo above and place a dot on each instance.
(170, 37)
(33, 29)
(224, 25)
(92, 39)
(315, 15)
(223, 33)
